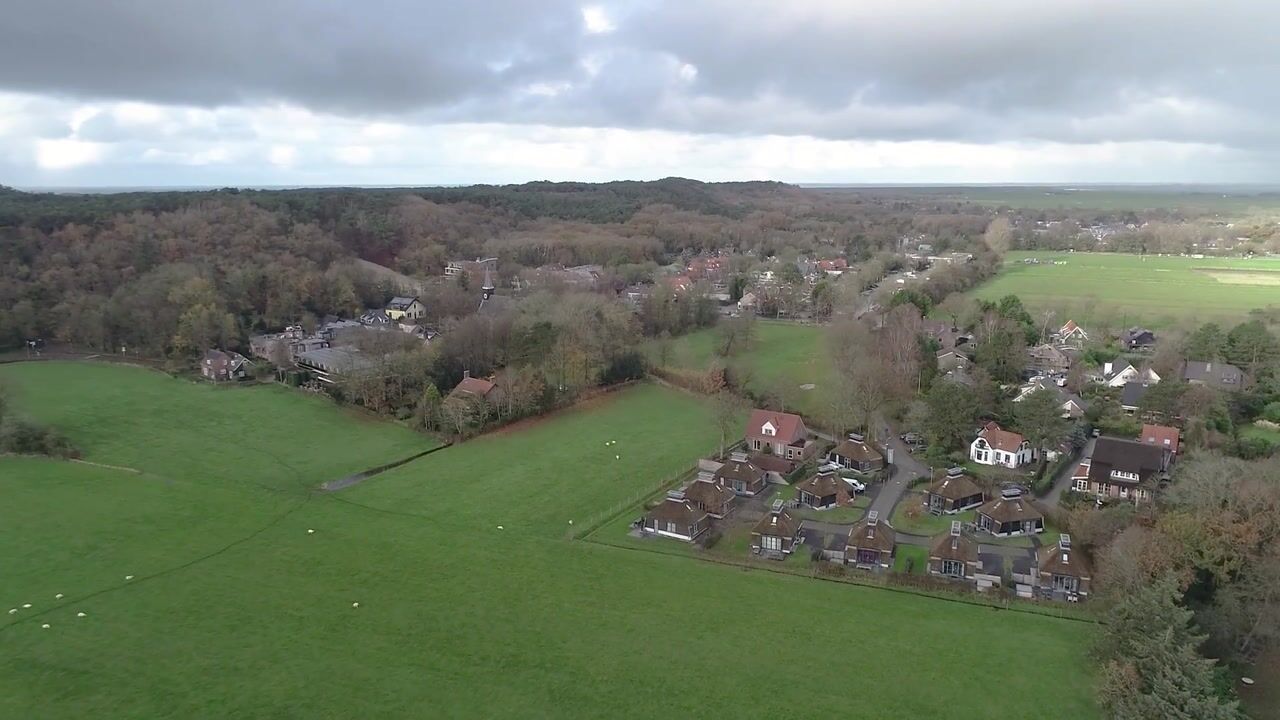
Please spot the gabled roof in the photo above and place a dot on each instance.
(1004, 510)
(1213, 373)
(1072, 328)
(1161, 436)
(955, 487)
(866, 536)
(401, 303)
(1000, 439)
(788, 428)
(777, 523)
(1125, 456)
(1132, 394)
(479, 387)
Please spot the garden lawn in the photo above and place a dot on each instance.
(783, 357)
(1123, 290)
(1258, 431)
(924, 523)
(912, 556)
(456, 618)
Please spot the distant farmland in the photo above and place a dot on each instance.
(1150, 290)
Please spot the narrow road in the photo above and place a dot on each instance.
(905, 469)
(1063, 481)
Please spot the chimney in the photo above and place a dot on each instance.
(677, 495)
(738, 456)
(704, 476)
(466, 374)
(1010, 492)
(855, 437)
(777, 506)
(955, 528)
(1064, 541)
(955, 472)
(873, 518)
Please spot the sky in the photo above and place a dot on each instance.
(405, 92)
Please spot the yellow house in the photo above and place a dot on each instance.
(405, 307)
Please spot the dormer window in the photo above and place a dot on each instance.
(1122, 475)
(768, 429)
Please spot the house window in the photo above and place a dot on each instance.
(984, 522)
(1082, 485)
(771, 542)
(1122, 475)
(953, 568)
(739, 486)
(1124, 491)
(671, 527)
(868, 557)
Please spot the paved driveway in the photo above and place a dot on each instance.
(1063, 481)
(905, 469)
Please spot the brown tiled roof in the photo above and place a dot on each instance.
(474, 386)
(859, 451)
(955, 488)
(954, 547)
(771, 463)
(823, 484)
(1160, 436)
(681, 512)
(709, 495)
(777, 523)
(1054, 560)
(1001, 439)
(1004, 510)
(872, 537)
(790, 427)
(746, 471)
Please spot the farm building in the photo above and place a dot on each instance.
(220, 365)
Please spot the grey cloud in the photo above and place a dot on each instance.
(1084, 72)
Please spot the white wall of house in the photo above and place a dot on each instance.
(981, 452)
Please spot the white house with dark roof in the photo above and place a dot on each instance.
(996, 446)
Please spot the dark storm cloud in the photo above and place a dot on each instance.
(1078, 71)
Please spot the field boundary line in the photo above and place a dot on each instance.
(124, 468)
(849, 580)
(359, 477)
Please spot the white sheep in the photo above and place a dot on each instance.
(355, 604)
(13, 611)
(45, 626)
(80, 614)
(310, 531)
(58, 596)
(499, 527)
(128, 577)
(26, 605)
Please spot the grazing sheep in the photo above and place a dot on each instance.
(26, 605)
(45, 626)
(355, 604)
(13, 610)
(128, 577)
(310, 531)
(80, 614)
(58, 596)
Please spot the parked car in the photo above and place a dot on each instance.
(856, 484)
(912, 438)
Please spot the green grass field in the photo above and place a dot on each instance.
(1128, 289)
(783, 357)
(236, 611)
(1232, 202)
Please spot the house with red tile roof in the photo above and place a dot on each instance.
(781, 434)
(473, 388)
(1164, 437)
(997, 446)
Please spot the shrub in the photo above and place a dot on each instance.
(1271, 412)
